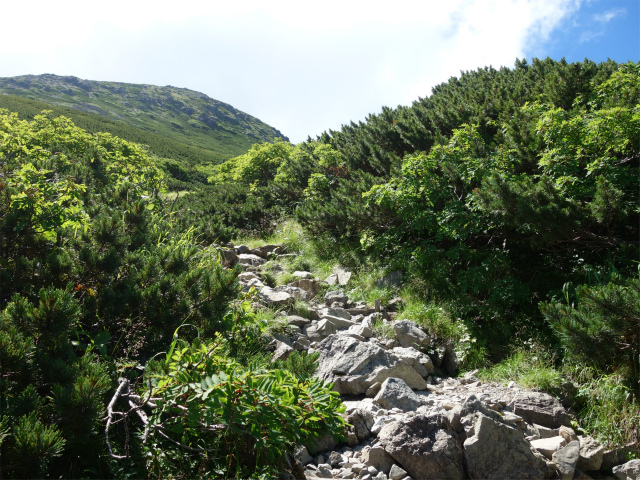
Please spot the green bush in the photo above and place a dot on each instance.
(237, 421)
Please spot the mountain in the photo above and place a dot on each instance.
(186, 116)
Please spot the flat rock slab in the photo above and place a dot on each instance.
(540, 408)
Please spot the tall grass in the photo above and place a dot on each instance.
(531, 366)
(608, 410)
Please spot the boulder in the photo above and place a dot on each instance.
(566, 459)
(300, 274)
(423, 449)
(397, 473)
(628, 471)
(395, 393)
(297, 320)
(410, 335)
(499, 451)
(282, 352)
(241, 249)
(540, 408)
(275, 297)
(548, 446)
(419, 361)
(250, 259)
(591, 453)
(309, 285)
(338, 321)
(265, 250)
(361, 422)
(378, 458)
(334, 312)
(353, 366)
(335, 296)
(229, 257)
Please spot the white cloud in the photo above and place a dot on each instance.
(302, 67)
(609, 15)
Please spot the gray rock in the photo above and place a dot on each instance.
(326, 443)
(282, 352)
(297, 320)
(265, 250)
(548, 446)
(343, 276)
(241, 249)
(628, 471)
(250, 259)
(410, 335)
(336, 296)
(361, 330)
(309, 285)
(540, 408)
(423, 449)
(591, 453)
(334, 312)
(395, 393)
(326, 327)
(499, 451)
(397, 473)
(566, 459)
(338, 321)
(300, 274)
(392, 279)
(361, 421)
(335, 459)
(274, 297)
(332, 279)
(377, 457)
(618, 456)
(229, 257)
(421, 362)
(301, 454)
(353, 366)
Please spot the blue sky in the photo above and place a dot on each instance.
(306, 67)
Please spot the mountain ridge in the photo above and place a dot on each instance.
(182, 114)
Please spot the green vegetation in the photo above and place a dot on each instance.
(99, 280)
(509, 199)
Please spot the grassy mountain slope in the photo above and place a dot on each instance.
(163, 147)
(179, 114)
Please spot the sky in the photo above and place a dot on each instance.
(305, 67)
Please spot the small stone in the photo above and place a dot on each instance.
(397, 473)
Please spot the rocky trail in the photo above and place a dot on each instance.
(411, 415)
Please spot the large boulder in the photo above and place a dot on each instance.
(410, 334)
(421, 362)
(423, 449)
(499, 451)
(353, 366)
(395, 393)
(540, 408)
(628, 471)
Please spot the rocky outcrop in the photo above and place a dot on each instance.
(353, 366)
(405, 420)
